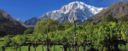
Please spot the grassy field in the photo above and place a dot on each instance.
(53, 48)
(39, 48)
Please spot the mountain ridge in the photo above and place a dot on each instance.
(76, 10)
(116, 12)
(8, 25)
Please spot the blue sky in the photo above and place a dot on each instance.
(25, 9)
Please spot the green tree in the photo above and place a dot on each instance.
(29, 31)
(5, 42)
(17, 41)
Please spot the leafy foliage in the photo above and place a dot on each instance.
(101, 36)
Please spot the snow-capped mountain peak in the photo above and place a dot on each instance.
(75, 10)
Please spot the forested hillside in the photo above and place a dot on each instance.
(8, 25)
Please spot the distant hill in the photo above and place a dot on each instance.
(31, 22)
(117, 12)
(8, 25)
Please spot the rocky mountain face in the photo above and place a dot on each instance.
(117, 12)
(74, 11)
(8, 25)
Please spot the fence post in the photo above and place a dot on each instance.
(3, 48)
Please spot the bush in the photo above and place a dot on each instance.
(29, 31)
